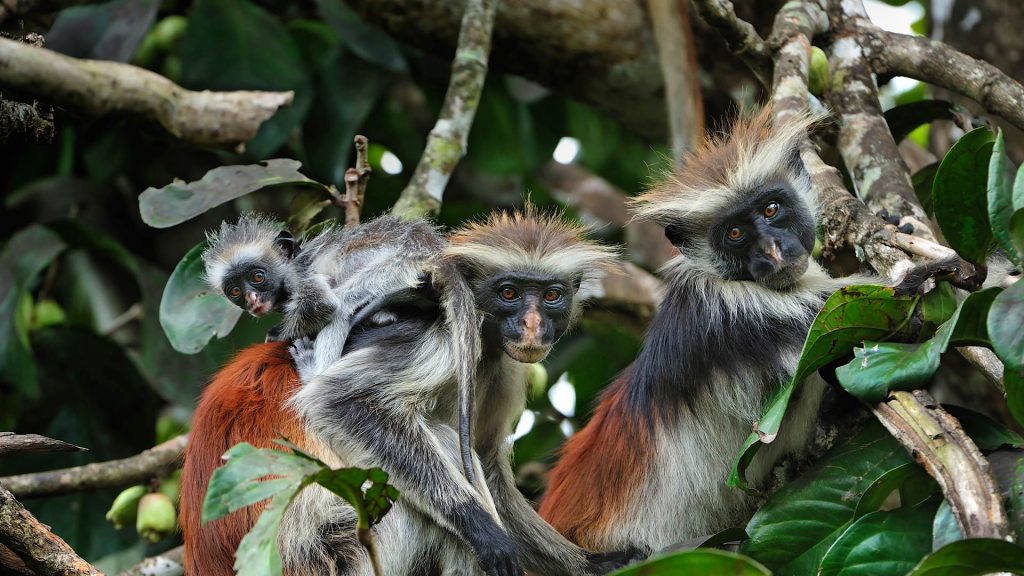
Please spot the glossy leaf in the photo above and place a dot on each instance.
(849, 317)
(1000, 197)
(884, 543)
(974, 556)
(1016, 232)
(699, 561)
(792, 531)
(190, 312)
(1018, 189)
(960, 198)
(180, 201)
(944, 527)
(1006, 330)
(23, 258)
(879, 367)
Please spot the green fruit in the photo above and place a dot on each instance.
(537, 377)
(47, 313)
(171, 486)
(819, 78)
(125, 507)
(157, 519)
(167, 31)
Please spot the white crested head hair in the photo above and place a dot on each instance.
(252, 237)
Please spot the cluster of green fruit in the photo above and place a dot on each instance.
(153, 512)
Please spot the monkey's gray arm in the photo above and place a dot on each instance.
(420, 455)
(311, 306)
(542, 549)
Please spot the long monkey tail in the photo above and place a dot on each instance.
(464, 325)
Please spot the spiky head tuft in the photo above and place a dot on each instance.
(527, 239)
(251, 237)
(727, 167)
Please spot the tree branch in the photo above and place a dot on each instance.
(11, 443)
(41, 550)
(741, 38)
(356, 180)
(157, 461)
(677, 54)
(446, 143)
(95, 88)
(169, 563)
(939, 444)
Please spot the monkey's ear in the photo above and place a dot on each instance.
(285, 242)
(677, 235)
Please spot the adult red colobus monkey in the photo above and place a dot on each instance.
(650, 467)
(387, 402)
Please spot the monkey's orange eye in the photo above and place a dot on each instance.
(552, 296)
(735, 233)
(771, 209)
(258, 276)
(508, 293)
(235, 292)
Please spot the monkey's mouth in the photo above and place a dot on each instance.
(786, 275)
(261, 308)
(526, 354)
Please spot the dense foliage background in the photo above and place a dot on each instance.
(83, 356)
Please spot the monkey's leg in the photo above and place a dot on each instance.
(365, 427)
(309, 309)
(542, 549)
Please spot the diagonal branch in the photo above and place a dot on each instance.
(677, 54)
(95, 88)
(42, 551)
(739, 36)
(446, 143)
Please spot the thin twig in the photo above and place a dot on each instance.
(356, 180)
(138, 469)
(11, 443)
(95, 88)
(32, 541)
(446, 143)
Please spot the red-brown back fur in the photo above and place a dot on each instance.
(599, 469)
(245, 402)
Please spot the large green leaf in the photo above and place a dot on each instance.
(236, 45)
(180, 201)
(974, 556)
(959, 195)
(700, 561)
(1006, 330)
(884, 543)
(792, 531)
(190, 312)
(879, 367)
(1000, 198)
(849, 317)
(24, 256)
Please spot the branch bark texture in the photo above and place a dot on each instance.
(446, 143)
(42, 551)
(156, 461)
(11, 443)
(95, 88)
(677, 53)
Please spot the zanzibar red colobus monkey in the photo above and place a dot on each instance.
(388, 402)
(650, 467)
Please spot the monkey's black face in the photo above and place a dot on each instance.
(254, 288)
(768, 240)
(526, 312)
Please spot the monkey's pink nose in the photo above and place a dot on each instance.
(252, 298)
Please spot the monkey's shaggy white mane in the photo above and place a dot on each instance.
(251, 238)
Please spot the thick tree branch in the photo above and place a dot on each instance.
(156, 461)
(739, 36)
(95, 88)
(11, 443)
(939, 64)
(939, 444)
(41, 550)
(446, 143)
(678, 57)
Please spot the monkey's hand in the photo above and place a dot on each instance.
(605, 562)
(495, 550)
(304, 354)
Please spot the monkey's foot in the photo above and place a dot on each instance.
(304, 354)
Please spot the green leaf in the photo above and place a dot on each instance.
(972, 556)
(257, 553)
(938, 306)
(700, 561)
(236, 45)
(960, 195)
(1000, 198)
(1016, 231)
(986, 432)
(180, 201)
(23, 258)
(849, 317)
(903, 119)
(887, 483)
(944, 527)
(231, 487)
(1006, 330)
(792, 531)
(879, 367)
(882, 543)
(107, 31)
(1018, 189)
(190, 312)
(369, 43)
